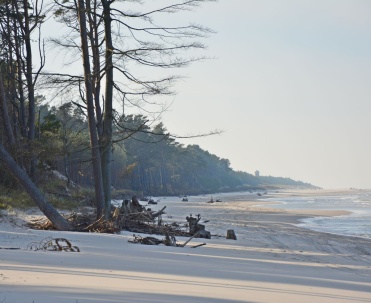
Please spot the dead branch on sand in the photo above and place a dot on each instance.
(168, 241)
(53, 244)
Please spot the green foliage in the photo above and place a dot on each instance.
(157, 164)
(62, 197)
(2, 205)
(50, 124)
(279, 181)
(55, 191)
(15, 199)
(63, 202)
(146, 160)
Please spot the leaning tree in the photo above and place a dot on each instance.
(19, 20)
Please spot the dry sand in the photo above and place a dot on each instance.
(271, 261)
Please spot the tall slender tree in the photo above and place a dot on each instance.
(120, 43)
(96, 155)
(106, 139)
(4, 110)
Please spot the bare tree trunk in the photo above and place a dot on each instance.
(25, 25)
(108, 110)
(22, 107)
(5, 113)
(66, 171)
(24, 20)
(94, 42)
(12, 79)
(49, 211)
(99, 191)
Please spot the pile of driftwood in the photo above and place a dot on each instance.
(134, 217)
(131, 216)
(84, 222)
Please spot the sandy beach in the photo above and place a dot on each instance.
(272, 260)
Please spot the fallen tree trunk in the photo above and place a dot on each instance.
(48, 210)
(168, 241)
(159, 213)
(134, 208)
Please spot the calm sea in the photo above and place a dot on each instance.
(358, 223)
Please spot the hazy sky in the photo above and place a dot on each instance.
(289, 86)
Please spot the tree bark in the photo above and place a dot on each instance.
(25, 25)
(91, 7)
(48, 210)
(5, 113)
(108, 111)
(98, 181)
(24, 20)
(231, 234)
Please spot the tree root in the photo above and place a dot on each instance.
(53, 244)
(168, 241)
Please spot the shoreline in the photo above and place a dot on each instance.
(300, 213)
(272, 261)
(260, 205)
(348, 210)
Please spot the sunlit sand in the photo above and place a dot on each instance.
(271, 261)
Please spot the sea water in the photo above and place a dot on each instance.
(358, 223)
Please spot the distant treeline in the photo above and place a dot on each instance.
(145, 159)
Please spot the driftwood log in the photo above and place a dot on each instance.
(197, 229)
(231, 234)
(139, 219)
(134, 207)
(168, 241)
(130, 216)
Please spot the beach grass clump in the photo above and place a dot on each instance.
(56, 193)
(2, 205)
(66, 197)
(15, 199)
(60, 202)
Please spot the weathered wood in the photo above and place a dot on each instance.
(124, 206)
(198, 245)
(231, 234)
(193, 224)
(159, 213)
(196, 229)
(185, 243)
(36, 195)
(152, 202)
(204, 234)
(169, 240)
(135, 205)
(159, 221)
